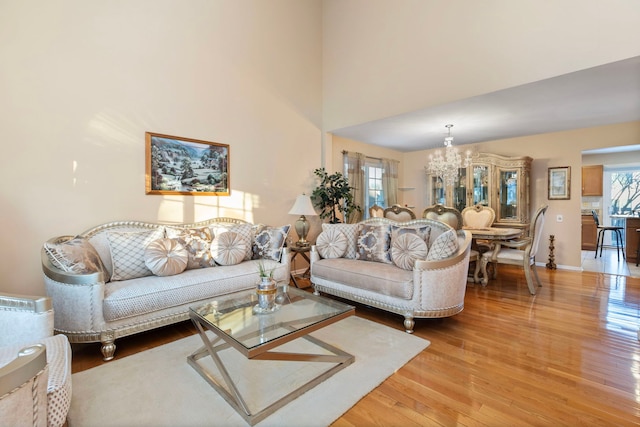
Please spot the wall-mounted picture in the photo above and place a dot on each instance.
(177, 165)
(560, 183)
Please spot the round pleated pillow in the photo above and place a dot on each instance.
(406, 249)
(331, 243)
(166, 257)
(229, 248)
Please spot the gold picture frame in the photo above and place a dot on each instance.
(559, 184)
(177, 165)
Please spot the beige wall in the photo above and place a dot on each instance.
(81, 82)
(383, 58)
(547, 150)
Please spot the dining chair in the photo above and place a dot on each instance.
(453, 217)
(479, 216)
(521, 252)
(617, 231)
(376, 211)
(399, 213)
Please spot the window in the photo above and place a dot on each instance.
(373, 183)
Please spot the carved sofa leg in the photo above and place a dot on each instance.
(108, 348)
(409, 323)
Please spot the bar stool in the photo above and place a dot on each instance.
(600, 240)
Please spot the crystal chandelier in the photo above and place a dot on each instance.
(447, 167)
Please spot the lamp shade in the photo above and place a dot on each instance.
(302, 206)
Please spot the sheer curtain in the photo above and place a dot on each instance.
(354, 166)
(390, 181)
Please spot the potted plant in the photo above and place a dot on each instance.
(333, 195)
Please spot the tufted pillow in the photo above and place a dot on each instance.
(422, 231)
(197, 242)
(246, 231)
(228, 248)
(406, 249)
(331, 243)
(127, 252)
(374, 243)
(166, 257)
(350, 231)
(444, 246)
(269, 242)
(76, 255)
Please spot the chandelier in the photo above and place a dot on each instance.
(447, 167)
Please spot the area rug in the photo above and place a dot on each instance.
(159, 388)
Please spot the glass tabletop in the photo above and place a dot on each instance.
(231, 316)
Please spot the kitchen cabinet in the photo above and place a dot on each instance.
(632, 238)
(592, 177)
(499, 182)
(589, 233)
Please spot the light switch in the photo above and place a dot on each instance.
(559, 218)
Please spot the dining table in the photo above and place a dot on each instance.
(483, 239)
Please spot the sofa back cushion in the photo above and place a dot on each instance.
(374, 243)
(351, 232)
(228, 248)
(245, 231)
(197, 242)
(445, 245)
(269, 241)
(76, 255)
(127, 252)
(406, 249)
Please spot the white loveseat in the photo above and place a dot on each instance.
(417, 269)
(101, 291)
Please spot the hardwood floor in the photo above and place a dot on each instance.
(569, 355)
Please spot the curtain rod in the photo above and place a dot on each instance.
(368, 157)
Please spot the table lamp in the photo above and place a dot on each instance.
(302, 207)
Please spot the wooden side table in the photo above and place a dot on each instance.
(300, 250)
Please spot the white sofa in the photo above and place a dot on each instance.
(100, 300)
(417, 277)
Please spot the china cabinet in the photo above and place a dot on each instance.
(491, 180)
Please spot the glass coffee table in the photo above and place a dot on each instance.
(228, 324)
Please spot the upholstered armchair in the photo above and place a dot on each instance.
(35, 365)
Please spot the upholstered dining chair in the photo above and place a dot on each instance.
(399, 213)
(453, 217)
(521, 252)
(35, 365)
(478, 216)
(376, 211)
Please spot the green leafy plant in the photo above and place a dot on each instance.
(333, 195)
(264, 272)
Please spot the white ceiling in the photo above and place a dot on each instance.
(596, 96)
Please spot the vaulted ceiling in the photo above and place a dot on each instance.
(597, 96)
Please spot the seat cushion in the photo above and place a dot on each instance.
(386, 279)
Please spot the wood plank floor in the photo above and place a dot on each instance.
(569, 355)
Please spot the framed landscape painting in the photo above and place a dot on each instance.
(177, 165)
(560, 183)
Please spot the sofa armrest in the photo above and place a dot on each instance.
(24, 319)
(77, 298)
(23, 387)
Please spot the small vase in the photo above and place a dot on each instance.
(266, 289)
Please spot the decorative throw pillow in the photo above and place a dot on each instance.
(350, 231)
(422, 231)
(406, 249)
(127, 252)
(76, 255)
(331, 243)
(166, 257)
(444, 246)
(197, 242)
(246, 231)
(269, 242)
(374, 243)
(228, 248)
